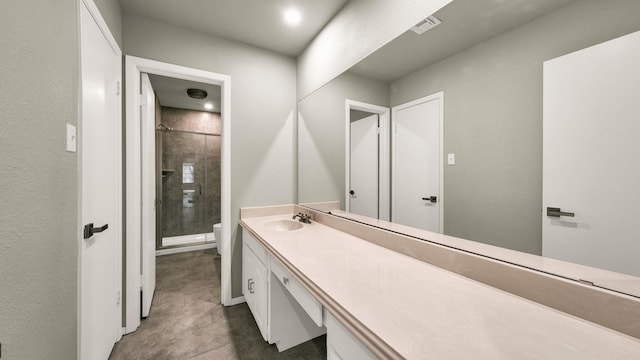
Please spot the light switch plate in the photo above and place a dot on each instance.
(71, 138)
(451, 159)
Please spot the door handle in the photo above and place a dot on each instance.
(433, 199)
(556, 212)
(250, 283)
(89, 230)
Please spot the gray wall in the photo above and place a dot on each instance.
(112, 14)
(38, 216)
(321, 135)
(493, 119)
(263, 88)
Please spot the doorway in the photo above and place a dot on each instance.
(137, 253)
(188, 146)
(417, 174)
(367, 159)
(365, 164)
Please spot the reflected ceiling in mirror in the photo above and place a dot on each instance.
(464, 24)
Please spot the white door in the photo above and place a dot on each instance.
(590, 164)
(416, 165)
(101, 194)
(363, 172)
(148, 156)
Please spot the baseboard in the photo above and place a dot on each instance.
(236, 301)
(181, 249)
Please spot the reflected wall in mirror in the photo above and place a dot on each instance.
(487, 58)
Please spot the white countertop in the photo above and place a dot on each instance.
(615, 281)
(423, 311)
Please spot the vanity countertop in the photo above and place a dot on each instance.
(422, 311)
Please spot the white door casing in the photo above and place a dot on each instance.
(100, 255)
(384, 167)
(417, 174)
(364, 190)
(148, 201)
(590, 156)
(135, 66)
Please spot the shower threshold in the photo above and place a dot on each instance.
(188, 239)
(186, 243)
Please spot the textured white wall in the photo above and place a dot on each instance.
(263, 86)
(38, 204)
(359, 29)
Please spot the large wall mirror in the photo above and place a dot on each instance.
(479, 73)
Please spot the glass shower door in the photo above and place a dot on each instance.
(183, 185)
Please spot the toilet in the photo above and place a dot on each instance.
(217, 234)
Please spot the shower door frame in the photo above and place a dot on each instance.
(134, 67)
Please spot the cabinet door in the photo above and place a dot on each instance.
(341, 344)
(254, 278)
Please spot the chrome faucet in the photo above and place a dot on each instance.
(304, 218)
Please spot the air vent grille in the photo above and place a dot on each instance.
(426, 25)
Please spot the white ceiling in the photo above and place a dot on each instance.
(255, 22)
(464, 24)
(172, 92)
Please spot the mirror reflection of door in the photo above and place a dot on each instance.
(416, 165)
(590, 165)
(364, 170)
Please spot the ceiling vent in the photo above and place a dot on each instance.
(426, 25)
(196, 93)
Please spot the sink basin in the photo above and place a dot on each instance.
(283, 225)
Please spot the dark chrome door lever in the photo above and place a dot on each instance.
(556, 212)
(433, 199)
(89, 230)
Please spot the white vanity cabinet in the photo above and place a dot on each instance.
(285, 312)
(255, 276)
(341, 344)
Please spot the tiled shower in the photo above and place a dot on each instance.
(189, 152)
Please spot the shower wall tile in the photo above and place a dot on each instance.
(191, 120)
(194, 212)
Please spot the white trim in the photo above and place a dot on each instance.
(384, 185)
(102, 25)
(394, 110)
(236, 301)
(135, 66)
(182, 249)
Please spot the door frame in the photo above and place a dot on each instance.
(134, 66)
(117, 226)
(384, 185)
(394, 110)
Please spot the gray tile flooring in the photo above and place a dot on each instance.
(187, 320)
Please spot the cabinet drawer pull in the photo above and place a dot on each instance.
(285, 280)
(250, 286)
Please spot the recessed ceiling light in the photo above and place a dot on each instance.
(292, 16)
(208, 106)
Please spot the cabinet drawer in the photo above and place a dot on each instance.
(309, 303)
(254, 245)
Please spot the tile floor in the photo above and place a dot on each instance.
(187, 320)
